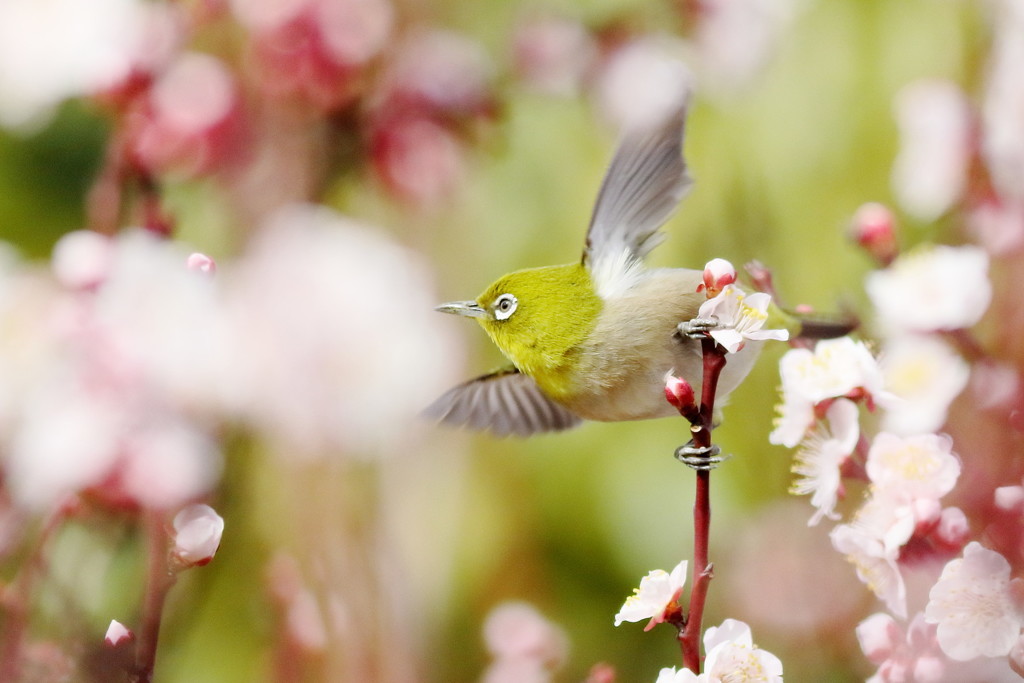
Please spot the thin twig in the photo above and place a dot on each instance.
(689, 635)
(159, 579)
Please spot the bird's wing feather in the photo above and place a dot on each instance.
(641, 189)
(505, 403)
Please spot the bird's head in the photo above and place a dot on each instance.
(538, 317)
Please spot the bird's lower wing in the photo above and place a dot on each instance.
(505, 403)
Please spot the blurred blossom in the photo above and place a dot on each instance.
(315, 49)
(1003, 105)
(553, 55)
(525, 645)
(913, 467)
(874, 228)
(998, 225)
(818, 463)
(190, 119)
(642, 82)
(657, 596)
(197, 533)
(910, 656)
(930, 172)
(872, 543)
(81, 259)
(735, 39)
(740, 318)
(994, 385)
(670, 675)
(202, 263)
(835, 368)
(932, 288)
(418, 160)
(924, 374)
(341, 342)
(973, 607)
(436, 72)
(51, 50)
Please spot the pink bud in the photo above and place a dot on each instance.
(679, 393)
(201, 263)
(873, 227)
(717, 274)
(197, 533)
(117, 634)
(1010, 498)
(953, 529)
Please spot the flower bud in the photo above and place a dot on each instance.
(878, 636)
(953, 529)
(717, 274)
(679, 393)
(874, 228)
(201, 263)
(1010, 498)
(197, 533)
(82, 259)
(117, 634)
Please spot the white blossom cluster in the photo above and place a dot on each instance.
(903, 533)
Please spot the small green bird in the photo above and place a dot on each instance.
(595, 339)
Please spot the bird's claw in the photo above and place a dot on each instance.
(700, 458)
(698, 327)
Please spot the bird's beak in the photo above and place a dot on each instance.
(469, 309)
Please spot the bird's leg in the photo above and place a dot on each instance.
(700, 458)
(697, 328)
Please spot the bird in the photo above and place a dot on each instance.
(594, 339)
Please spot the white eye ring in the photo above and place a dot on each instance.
(504, 306)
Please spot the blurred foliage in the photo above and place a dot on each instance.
(568, 522)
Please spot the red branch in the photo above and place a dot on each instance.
(689, 635)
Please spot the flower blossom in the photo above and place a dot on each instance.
(924, 375)
(973, 606)
(935, 288)
(526, 647)
(819, 461)
(914, 467)
(740, 318)
(731, 656)
(913, 655)
(657, 595)
(835, 368)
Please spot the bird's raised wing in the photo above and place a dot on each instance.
(505, 403)
(641, 189)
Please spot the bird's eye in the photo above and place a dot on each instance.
(504, 306)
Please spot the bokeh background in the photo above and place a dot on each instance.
(472, 135)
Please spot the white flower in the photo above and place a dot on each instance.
(54, 49)
(835, 368)
(740, 317)
(197, 533)
(670, 675)
(924, 375)
(935, 288)
(658, 592)
(818, 462)
(872, 543)
(338, 341)
(930, 172)
(972, 605)
(913, 467)
(732, 656)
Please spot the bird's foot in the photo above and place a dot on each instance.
(698, 327)
(700, 458)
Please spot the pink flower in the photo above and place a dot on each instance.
(901, 656)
